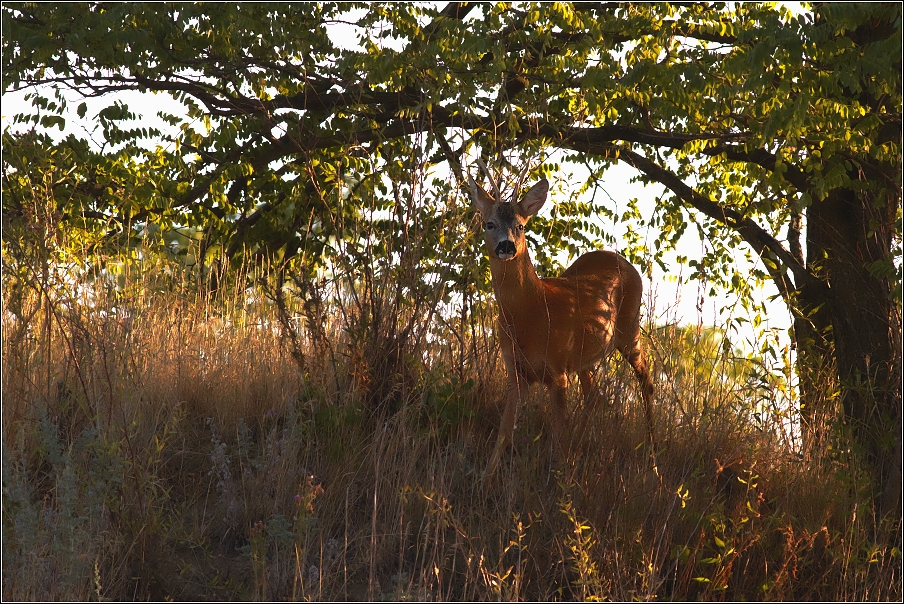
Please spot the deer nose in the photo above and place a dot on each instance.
(505, 250)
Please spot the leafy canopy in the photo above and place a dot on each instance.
(746, 113)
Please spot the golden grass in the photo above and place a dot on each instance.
(158, 444)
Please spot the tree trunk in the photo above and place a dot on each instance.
(846, 235)
(813, 343)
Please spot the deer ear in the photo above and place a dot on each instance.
(480, 199)
(534, 199)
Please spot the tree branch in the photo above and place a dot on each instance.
(761, 241)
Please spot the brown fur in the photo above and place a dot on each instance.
(549, 328)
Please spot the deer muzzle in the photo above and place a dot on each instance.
(505, 250)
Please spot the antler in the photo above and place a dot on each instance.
(483, 167)
(520, 181)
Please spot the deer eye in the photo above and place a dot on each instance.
(520, 227)
(491, 226)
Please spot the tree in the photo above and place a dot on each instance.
(777, 132)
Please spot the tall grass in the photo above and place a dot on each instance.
(159, 443)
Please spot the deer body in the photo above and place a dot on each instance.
(549, 328)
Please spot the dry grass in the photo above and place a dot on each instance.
(160, 445)
(328, 445)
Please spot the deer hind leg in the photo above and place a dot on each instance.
(588, 388)
(591, 397)
(638, 360)
(556, 416)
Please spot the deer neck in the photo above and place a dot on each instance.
(516, 284)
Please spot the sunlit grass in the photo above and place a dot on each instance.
(161, 444)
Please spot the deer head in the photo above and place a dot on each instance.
(504, 220)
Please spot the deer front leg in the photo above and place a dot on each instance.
(506, 428)
(516, 388)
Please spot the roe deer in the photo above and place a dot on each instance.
(549, 328)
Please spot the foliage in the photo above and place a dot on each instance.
(280, 118)
(772, 114)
